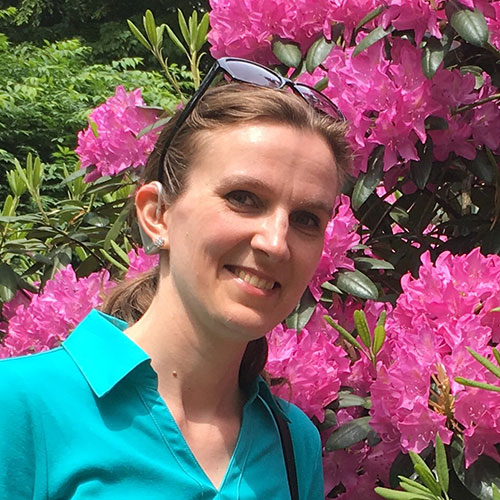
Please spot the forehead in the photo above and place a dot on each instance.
(269, 152)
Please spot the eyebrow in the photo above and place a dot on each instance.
(259, 185)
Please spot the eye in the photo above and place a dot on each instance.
(243, 199)
(305, 220)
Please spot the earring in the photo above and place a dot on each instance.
(158, 242)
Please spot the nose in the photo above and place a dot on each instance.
(271, 236)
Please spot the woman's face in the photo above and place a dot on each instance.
(246, 235)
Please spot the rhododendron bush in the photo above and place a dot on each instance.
(392, 350)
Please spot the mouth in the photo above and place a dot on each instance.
(252, 279)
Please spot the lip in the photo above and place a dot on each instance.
(259, 274)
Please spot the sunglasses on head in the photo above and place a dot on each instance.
(254, 73)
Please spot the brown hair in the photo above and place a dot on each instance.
(221, 106)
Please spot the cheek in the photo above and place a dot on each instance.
(310, 255)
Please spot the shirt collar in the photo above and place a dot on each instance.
(102, 352)
(105, 355)
(261, 388)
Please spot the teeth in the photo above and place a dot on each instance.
(254, 280)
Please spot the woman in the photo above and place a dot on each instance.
(236, 198)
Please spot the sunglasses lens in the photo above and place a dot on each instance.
(248, 72)
(318, 101)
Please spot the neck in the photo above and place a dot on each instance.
(197, 371)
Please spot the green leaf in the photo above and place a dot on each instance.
(481, 167)
(362, 327)
(344, 333)
(183, 26)
(176, 41)
(401, 466)
(317, 53)
(442, 465)
(93, 128)
(381, 318)
(378, 339)
(120, 252)
(367, 182)
(357, 284)
(368, 263)
(433, 122)
(136, 32)
(370, 16)
(321, 84)
(399, 495)
(75, 175)
(350, 433)
(193, 29)
(432, 56)
(485, 362)
(116, 227)
(479, 476)
(475, 383)
(348, 400)
(425, 474)
(329, 421)
(414, 487)
(96, 220)
(287, 53)
(399, 215)
(156, 125)
(476, 71)
(421, 169)
(8, 283)
(330, 287)
(471, 26)
(113, 261)
(202, 31)
(303, 312)
(495, 491)
(496, 354)
(150, 27)
(373, 37)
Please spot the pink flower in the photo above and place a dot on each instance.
(112, 146)
(140, 262)
(494, 25)
(438, 315)
(340, 237)
(313, 365)
(50, 316)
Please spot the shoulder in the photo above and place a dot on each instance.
(28, 378)
(304, 433)
(307, 452)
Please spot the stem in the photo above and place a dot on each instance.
(38, 201)
(169, 76)
(461, 109)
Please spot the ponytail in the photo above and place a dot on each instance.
(130, 299)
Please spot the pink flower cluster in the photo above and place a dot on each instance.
(38, 322)
(386, 99)
(246, 29)
(446, 309)
(110, 143)
(340, 237)
(312, 364)
(387, 102)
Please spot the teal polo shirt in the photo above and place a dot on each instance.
(85, 421)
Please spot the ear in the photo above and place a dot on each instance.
(150, 208)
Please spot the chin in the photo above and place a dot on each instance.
(250, 326)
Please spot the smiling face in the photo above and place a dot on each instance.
(246, 235)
